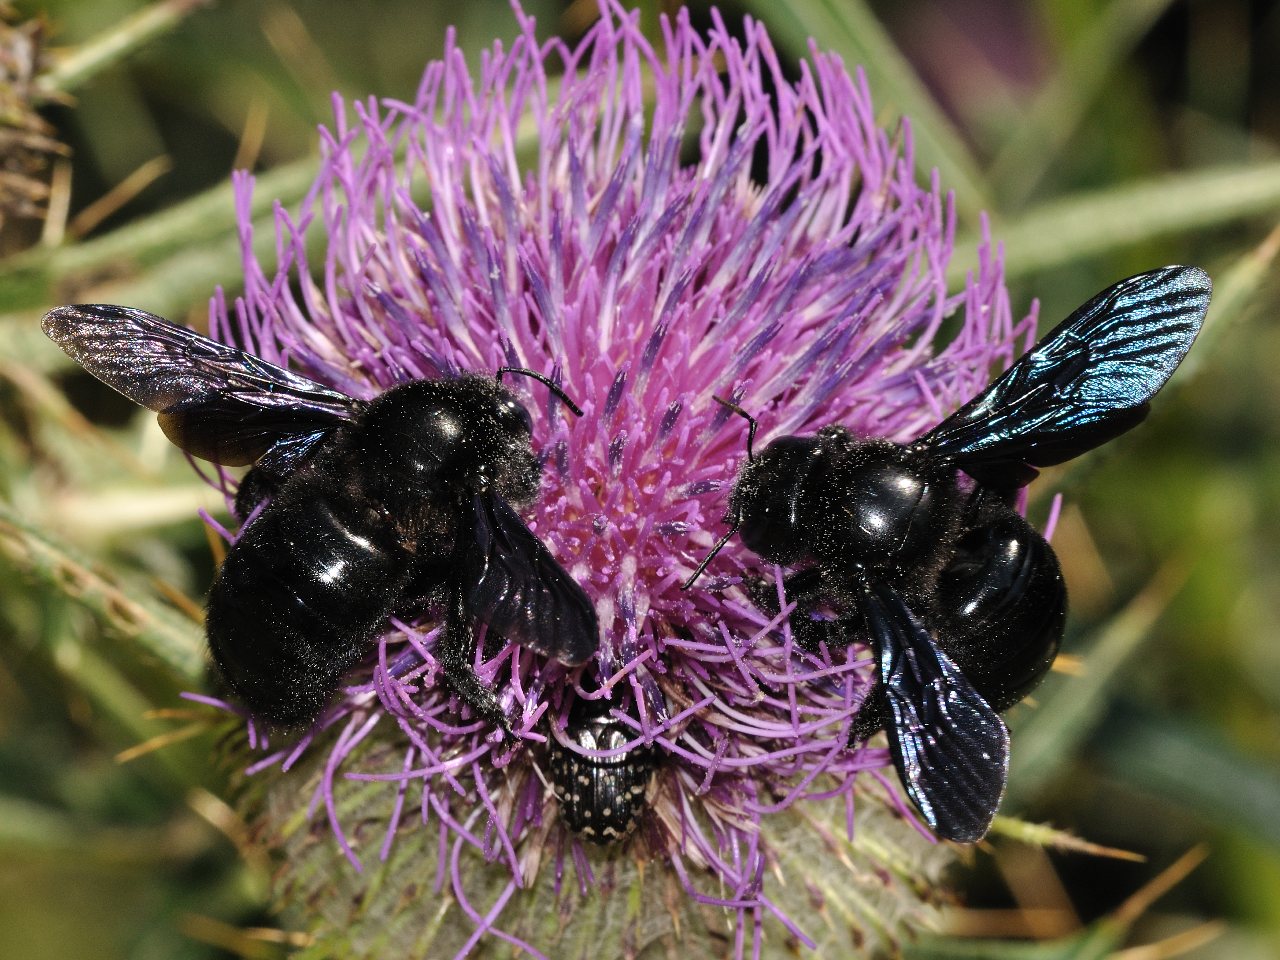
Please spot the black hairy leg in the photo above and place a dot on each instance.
(456, 653)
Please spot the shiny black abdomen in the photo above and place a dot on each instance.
(301, 596)
(1003, 602)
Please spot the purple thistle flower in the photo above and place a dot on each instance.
(542, 211)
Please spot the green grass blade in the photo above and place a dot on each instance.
(31, 829)
(155, 629)
(1040, 135)
(1090, 224)
(89, 59)
(1189, 765)
(1235, 290)
(175, 258)
(207, 222)
(1096, 943)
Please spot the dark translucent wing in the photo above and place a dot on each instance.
(1086, 382)
(950, 747)
(214, 401)
(513, 584)
(237, 429)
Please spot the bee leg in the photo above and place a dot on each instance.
(807, 591)
(871, 716)
(255, 486)
(272, 470)
(763, 591)
(427, 589)
(456, 654)
(976, 503)
(810, 594)
(839, 633)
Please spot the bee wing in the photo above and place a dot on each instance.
(951, 749)
(514, 584)
(214, 401)
(1085, 383)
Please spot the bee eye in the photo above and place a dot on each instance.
(515, 418)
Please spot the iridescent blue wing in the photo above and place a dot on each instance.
(951, 749)
(512, 583)
(213, 401)
(1085, 383)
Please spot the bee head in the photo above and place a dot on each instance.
(767, 504)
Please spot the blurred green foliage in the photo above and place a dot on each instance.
(1103, 138)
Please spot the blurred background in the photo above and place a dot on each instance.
(1102, 137)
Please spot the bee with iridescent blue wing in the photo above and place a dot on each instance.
(962, 602)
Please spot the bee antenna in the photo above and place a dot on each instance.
(751, 423)
(712, 555)
(564, 397)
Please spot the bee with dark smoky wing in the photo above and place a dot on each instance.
(962, 601)
(370, 507)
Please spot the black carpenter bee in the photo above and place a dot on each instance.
(963, 602)
(374, 507)
(601, 798)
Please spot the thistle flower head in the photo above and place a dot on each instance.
(652, 228)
